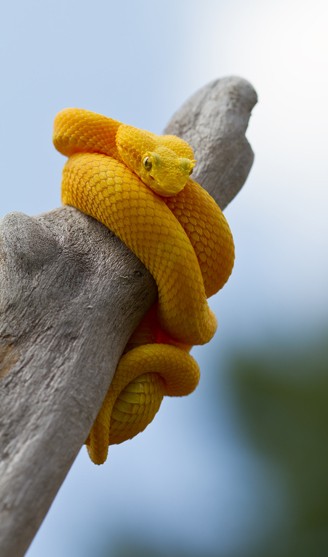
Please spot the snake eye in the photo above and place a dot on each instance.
(191, 171)
(147, 163)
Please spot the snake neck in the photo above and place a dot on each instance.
(163, 163)
(80, 131)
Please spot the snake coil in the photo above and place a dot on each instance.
(138, 185)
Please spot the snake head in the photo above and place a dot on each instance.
(161, 162)
(164, 172)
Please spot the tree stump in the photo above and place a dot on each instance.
(71, 294)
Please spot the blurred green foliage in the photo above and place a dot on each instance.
(142, 549)
(282, 400)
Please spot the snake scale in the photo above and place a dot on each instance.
(138, 184)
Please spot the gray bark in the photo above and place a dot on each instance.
(70, 296)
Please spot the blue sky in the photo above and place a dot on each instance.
(137, 62)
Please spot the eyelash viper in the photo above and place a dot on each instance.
(138, 185)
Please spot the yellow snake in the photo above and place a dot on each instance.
(138, 185)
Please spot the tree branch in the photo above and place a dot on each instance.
(71, 294)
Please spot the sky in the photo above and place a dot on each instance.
(183, 482)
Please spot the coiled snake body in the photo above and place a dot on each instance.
(138, 185)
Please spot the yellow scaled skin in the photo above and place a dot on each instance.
(138, 185)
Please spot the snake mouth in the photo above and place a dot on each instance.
(153, 183)
(165, 187)
(165, 190)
